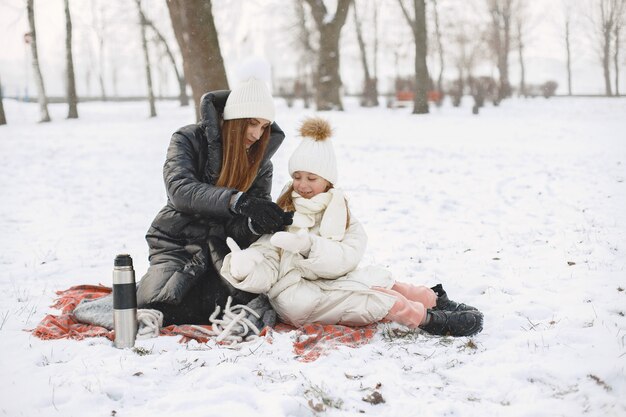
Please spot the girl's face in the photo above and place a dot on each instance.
(308, 185)
(254, 131)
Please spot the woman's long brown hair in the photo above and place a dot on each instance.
(240, 165)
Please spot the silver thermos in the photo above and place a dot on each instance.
(124, 302)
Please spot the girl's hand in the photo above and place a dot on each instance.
(292, 242)
(242, 262)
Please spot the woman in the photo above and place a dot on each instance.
(218, 178)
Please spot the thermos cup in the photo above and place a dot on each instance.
(124, 302)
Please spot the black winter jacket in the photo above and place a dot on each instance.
(187, 239)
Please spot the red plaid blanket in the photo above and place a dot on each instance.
(311, 341)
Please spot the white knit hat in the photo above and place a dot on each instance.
(251, 98)
(315, 154)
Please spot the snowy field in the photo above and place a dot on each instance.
(520, 211)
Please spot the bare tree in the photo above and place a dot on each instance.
(3, 119)
(605, 16)
(370, 86)
(375, 46)
(99, 26)
(440, 51)
(182, 83)
(619, 24)
(420, 35)
(308, 55)
(524, 22)
(568, 17)
(519, 33)
(501, 15)
(328, 82)
(72, 99)
(44, 116)
(87, 53)
(146, 55)
(196, 35)
(466, 36)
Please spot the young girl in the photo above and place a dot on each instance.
(310, 272)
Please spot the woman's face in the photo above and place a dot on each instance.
(254, 131)
(308, 185)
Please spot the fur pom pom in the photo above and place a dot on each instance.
(316, 128)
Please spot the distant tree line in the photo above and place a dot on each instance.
(461, 35)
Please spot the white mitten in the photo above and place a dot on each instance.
(292, 242)
(242, 262)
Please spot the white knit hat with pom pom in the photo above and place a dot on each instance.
(251, 98)
(315, 154)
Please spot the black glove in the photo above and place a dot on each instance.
(265, 216)
(288, 218)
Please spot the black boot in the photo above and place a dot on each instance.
(446, 304)
(453, 323)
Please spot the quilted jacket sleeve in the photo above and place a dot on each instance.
(183, 180)
(333, 259)
(263, 276)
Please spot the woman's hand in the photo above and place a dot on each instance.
(293, 242)
(242, 262)
(265, 216)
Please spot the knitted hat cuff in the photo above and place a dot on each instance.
(249, 110)
(249, 99)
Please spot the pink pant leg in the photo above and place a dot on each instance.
(404, 311)
(418, 293)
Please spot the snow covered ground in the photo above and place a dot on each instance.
(520, 211)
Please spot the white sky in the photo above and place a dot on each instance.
(252, 27)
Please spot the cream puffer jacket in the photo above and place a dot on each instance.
(325, 286)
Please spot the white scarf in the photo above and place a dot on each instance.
(333, 206)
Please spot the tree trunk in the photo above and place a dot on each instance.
(606, 60)
(182, 83)
(103, 93)
(504, 70)
(3, 119)
(440, 48)
(72, 99)
(196, 35)
(520, 50)
(616, 58)
(569, 58)
(44, 116)
(370, 90)
(376, 43)
(115, 81)
(505, 84)
(497, 38)
(306, 63)
(146, 55)
(501, 21)
(422, 79)
(328, 81)
(99, 26)
(607, 16)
